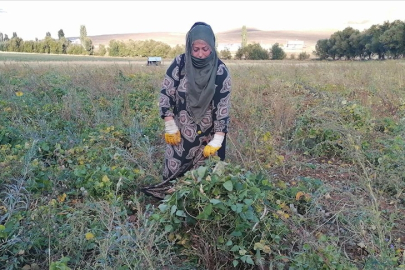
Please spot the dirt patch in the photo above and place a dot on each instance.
(345, 199)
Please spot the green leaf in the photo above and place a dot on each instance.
(163, 207)
(250, 215)
(235, 248)
(215, 201)
(228, 185)
(45, 146)
(243, 194)
(173, 209)
(239, 186)
(168, 228)
(249, 259)
(236, 233)
(206, 212)
(237, 207)
(248, 201)
(180, 213)
(201, 171)
(216, 191)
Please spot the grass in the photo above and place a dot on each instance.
(78, 138)
(46, 58)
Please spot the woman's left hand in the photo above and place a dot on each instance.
(210, 150)
(213, 146)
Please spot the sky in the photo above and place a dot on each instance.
(33, 19)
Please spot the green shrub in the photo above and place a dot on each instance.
(317, 135)
(303, 56)
(230, 216)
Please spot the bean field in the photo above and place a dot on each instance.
(314, 175)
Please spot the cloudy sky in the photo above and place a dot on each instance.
(32, 19)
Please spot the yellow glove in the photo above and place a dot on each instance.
(212, 147)
(210, 150)
(173, 139)
(172, 133)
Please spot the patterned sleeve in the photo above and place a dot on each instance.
(167, 99)
(222, 100)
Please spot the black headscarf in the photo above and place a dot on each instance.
(201, 73)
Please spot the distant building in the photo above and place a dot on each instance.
(294, 45)
(75, 40)
(266, 46)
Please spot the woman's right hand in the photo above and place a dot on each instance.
(173, 139)
(172, 132)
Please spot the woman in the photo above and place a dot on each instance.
(194, 103)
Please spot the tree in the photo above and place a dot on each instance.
(101, 50)
(277, 53)
(6, 37)
(61, 34)
(225, 54)
(345, 42)
(15, 35)
(29, 46)
(83, 33)
(256, 52)
(4, 46)
(160, 49)
(75, 49)
(114, 47)
(46, 45)
(48, 34)
(356, 41)
(16, 44)
(54, 46)
(393, 38)
(1, 37)
(240, 53)
(63, 44)
(244, 36)
(365, 41)
(336, 44)
(376, 46)
(176, 50)
(322, 48)
(332, 52)
(88, 46)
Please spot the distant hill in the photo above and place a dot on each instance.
(229, 37)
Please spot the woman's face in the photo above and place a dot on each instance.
(200, 49)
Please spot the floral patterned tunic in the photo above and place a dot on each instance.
(189, 153)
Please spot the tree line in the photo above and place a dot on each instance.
(253, 51)
(63, 45)
(378, 41)
(143, 48)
